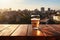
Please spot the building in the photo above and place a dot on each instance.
(49, 9)
(42, 9)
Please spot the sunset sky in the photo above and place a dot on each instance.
(30, 4)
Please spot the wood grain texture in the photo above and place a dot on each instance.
(21, 31)
(8, 30)
(51, 30)
(33, 32)
(27, 30)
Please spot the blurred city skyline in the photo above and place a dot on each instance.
(30, 4)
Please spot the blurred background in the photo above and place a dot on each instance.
(9, 16)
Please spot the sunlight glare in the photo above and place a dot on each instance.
(5, 1)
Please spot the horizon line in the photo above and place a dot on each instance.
(28, 8)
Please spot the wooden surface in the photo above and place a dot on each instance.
(27, 30)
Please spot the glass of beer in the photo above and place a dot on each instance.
(35, 21)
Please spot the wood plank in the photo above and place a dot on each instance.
(37, 33)
(26, 30)
(56, 27)
(43, 29)
(56, 31)
(49, 30)
(32, 32)
(3, 26)
(8, 30)
(29, 32)
(21, 31)
(46, 30)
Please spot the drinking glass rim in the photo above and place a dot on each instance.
(34, 15)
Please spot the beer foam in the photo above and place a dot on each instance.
(35, 19)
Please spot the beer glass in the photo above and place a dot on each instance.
(35, 20)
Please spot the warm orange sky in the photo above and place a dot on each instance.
(30, 4)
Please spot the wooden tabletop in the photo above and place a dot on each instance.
(27, 30)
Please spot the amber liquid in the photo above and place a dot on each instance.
(35, 22)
